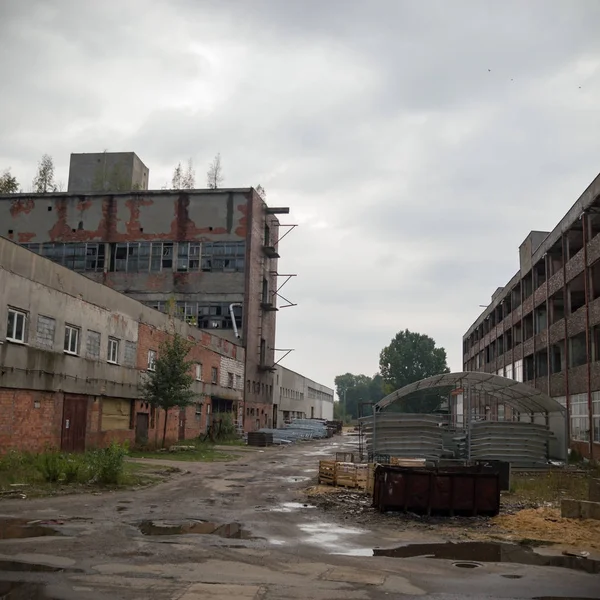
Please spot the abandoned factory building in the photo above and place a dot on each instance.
(543, 326)
(73, 353)
(209, 254)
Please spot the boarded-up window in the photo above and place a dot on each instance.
(116, 414)
(130, 354)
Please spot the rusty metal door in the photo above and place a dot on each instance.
(181, 424)
(74, 423)
(141, 428)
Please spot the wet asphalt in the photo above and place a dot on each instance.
(244, 530)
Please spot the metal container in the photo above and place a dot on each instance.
(451, 491)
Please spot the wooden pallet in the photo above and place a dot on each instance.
(327, 472)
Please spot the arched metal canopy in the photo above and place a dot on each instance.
(520, 396)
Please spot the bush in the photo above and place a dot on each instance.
(51, 465)
(224, 427)
(107, 464)
(72, 468)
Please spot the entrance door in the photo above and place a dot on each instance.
(74, 423)
(141, 428)
(181, 424)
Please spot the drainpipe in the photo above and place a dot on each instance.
(567, 308)
(584, 220)
(235, 329)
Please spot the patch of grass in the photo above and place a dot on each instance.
(203, 452)
(551, 486)
(52, 472)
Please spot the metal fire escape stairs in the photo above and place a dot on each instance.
(269, 297)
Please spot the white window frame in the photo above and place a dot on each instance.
(113, 351)
(199, 371)
(151, 360)
(69, 330)
(11, 335)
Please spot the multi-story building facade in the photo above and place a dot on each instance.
(543, 326)
(73, 353)
(209, 255)
(297, 397)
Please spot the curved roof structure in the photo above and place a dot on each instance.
(521, 396)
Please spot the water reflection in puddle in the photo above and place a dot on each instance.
(329, 536)
(287, 507)
(227, 530)
(490, 552)
(13, 529)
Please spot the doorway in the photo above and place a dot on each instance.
(141, 428)
(74, 423)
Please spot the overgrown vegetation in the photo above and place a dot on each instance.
(551, 486)
(203, 451)
(100, 467)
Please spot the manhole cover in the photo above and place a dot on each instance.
(466, 564)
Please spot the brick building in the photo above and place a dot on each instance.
(213, 252)
(73, 353)
(543, 326)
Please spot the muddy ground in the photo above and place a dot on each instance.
(242, 530)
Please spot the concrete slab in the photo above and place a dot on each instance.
(594, 491)
(589, 510)
(349, 575)
(570, 509)
(207, 591)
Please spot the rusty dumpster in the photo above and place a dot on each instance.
(465, 490)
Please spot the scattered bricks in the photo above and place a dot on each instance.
(594, 495)
(569, 509)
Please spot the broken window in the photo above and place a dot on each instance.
(574, 240)
(75, 256)
(576, 293)
(161, 256)
(541, 363)
(527, 326)
(577, 350)
(539, 273)
(527, 285)
(557, 362)
(223, 256)
(557, 307)
(540, 318)
(188, 256)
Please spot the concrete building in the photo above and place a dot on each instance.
(73, 353)
(297, 397)
(543, 326)
(213, 253)
(107, 172)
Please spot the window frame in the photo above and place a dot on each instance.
(68, 332)
(214, 375)
(199, 371)
(113, 343)
(10, 335)
(151, 361)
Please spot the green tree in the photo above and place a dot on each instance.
(8, 183)
(411, 357)
(43, 182)
(169, 385)
(354, 390)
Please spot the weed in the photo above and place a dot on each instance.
(107, 464)
(50, 465)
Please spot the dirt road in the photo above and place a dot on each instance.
(240, 530)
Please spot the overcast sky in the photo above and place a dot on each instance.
(415, 142)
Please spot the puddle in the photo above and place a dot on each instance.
(328, 536)
(15, 529)
(18, 590)
(227, 530)
(288, 507)
(27, 567)
(466, 552)
(357, 552)
(295, 479)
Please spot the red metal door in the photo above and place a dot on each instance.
(74, 423)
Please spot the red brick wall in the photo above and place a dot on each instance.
(24, 427)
